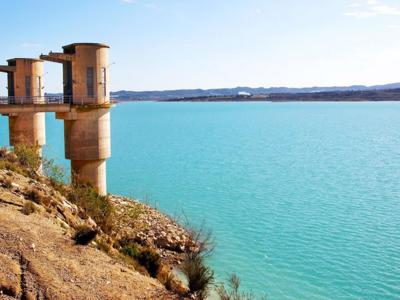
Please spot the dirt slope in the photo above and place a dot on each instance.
(38, 261)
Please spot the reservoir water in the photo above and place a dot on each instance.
(303, 198)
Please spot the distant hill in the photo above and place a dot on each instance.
(223, 92)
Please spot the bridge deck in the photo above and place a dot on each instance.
(21, 108)
(58, 104)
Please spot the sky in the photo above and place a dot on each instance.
(183, 44)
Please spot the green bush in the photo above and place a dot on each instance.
(54, 172)
(146, 257)
(98, 207)
(28, 156)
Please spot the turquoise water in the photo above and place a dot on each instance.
(303, 198)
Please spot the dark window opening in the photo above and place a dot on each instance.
(104, 81)
(67, 75)
(90, 81)
(27, 86)
(10, 77)
(39, 85)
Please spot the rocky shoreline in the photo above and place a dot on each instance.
(48, 230)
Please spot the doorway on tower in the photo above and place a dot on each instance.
(67, 69)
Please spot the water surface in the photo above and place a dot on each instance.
(302, 198)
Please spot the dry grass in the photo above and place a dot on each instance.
(10, 274)
(170, 281)
(103, 245)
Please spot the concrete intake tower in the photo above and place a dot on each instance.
(84, 107)
(25, 85)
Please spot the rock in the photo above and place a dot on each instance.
(90, 222)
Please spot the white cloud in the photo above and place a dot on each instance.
(371, 8)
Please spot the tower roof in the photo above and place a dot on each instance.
(24, 58)
(86, 44)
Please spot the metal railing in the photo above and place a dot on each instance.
(16, 100)
(43, 100)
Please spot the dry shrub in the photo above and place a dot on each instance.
(28, 208)
(14, 167)
(199, 276)
(84, 235)
(166, 278)
(36, 196)
(170, 281)
(233, 292)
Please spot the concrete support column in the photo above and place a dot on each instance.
(27, 128)
(88, 144)
(91, 171)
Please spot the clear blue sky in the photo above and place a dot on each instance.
(173, 44)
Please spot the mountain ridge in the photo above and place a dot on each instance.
(192, 93)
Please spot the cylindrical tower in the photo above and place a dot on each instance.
(87, 126)
(87, 73)
(25, 86)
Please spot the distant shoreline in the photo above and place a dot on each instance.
(392, 95)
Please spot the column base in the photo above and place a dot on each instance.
(92, 172)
